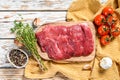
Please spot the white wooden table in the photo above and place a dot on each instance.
(46, 10)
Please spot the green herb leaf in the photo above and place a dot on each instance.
(25, 34)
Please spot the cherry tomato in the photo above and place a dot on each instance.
(115, 31)
(103, 30)
(111, 20)
(108, 11)
(99, 20)
(105, 40)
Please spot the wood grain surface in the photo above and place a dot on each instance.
(34, 4)
(46, 10)
(7, 23)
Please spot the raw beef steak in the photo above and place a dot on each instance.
(64, 42)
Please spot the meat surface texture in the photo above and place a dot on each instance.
(64, 42)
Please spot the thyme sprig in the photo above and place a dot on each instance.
(25, 34)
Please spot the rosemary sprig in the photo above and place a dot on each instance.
(25, 34)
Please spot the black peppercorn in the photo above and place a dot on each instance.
(17, 57)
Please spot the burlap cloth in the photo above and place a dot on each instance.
(84, 10)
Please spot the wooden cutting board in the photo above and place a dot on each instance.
(73, 59)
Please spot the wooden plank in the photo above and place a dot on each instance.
(11, 77)
(34, 4)
(7, 18)
(8, 72)
(11, 74)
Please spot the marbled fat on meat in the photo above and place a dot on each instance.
(61, 42)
